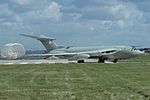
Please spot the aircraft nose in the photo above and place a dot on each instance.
(138, 52)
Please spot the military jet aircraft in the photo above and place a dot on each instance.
(102, 53)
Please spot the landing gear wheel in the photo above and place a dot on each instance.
(80, 61)
(101, 60)
(115, 61)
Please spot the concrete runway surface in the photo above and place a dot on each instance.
(42, 61)
(60, 61)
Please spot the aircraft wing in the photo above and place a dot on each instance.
(69, 56)
(62, 54)
(56, 54)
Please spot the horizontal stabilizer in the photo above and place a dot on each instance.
(47, 42)
(41, 37)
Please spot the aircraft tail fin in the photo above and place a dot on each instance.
(47, 42)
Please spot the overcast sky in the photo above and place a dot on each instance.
(76, 22)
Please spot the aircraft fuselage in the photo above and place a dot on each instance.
(121, 52)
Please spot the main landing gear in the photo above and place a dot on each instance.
(101, 60)
(80, 61)
(115, 61)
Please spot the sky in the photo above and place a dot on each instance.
(76, 22)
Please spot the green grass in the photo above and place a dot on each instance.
(145, 58)
(75, 82)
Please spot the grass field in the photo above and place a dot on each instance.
(145, 58)
(75, 82)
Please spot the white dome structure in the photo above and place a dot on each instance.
(12, 51)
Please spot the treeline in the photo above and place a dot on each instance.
(147, 50)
